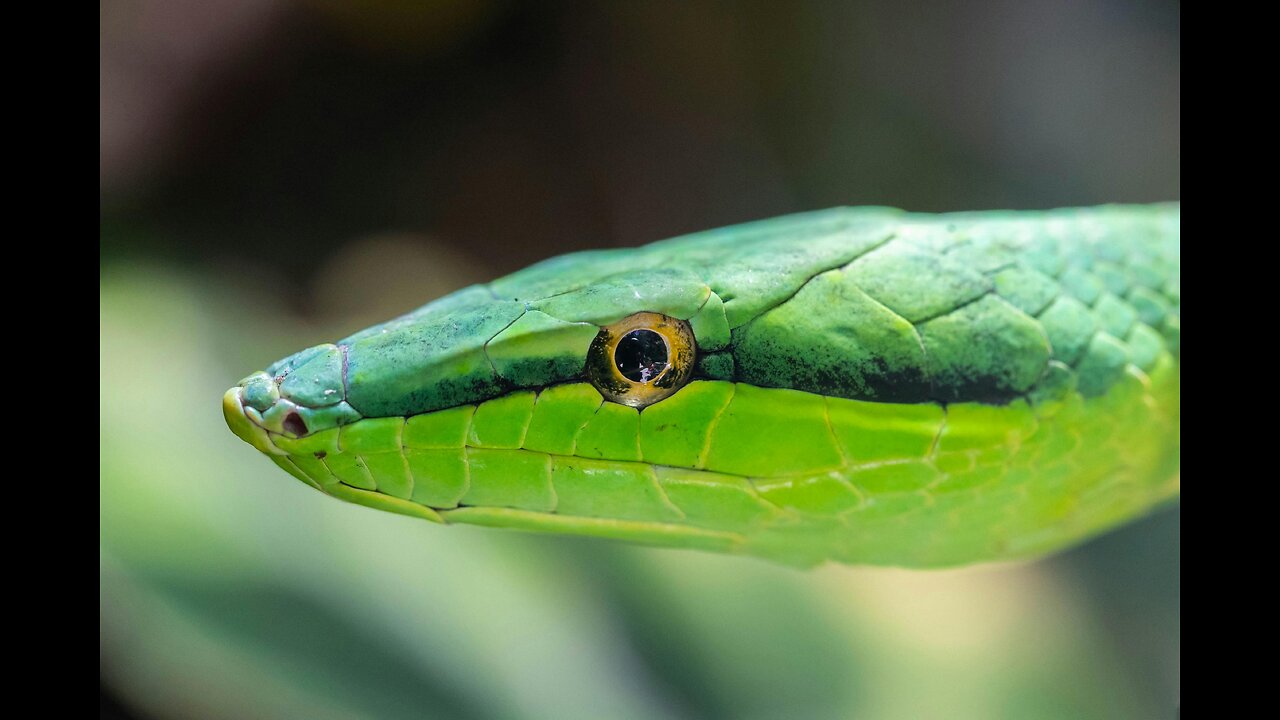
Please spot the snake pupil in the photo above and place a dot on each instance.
(641, 356)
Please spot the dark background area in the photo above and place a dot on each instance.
(317, 165)
(514, 131)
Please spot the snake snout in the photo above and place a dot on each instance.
(259, 415)
(262, 403)
(301, 403)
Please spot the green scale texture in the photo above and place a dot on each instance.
(873, 386)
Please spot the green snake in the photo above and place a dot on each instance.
(861, 385)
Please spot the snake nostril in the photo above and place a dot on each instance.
(294, 424)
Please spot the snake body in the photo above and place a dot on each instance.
(863, 385)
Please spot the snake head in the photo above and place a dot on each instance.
(856, 384)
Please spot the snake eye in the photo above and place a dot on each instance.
(642, 358)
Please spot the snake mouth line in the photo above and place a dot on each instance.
(652, 532)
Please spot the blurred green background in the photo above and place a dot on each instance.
(280, 173)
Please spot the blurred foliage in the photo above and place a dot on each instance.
(276, 174)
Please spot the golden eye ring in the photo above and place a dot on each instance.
(642, 358)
